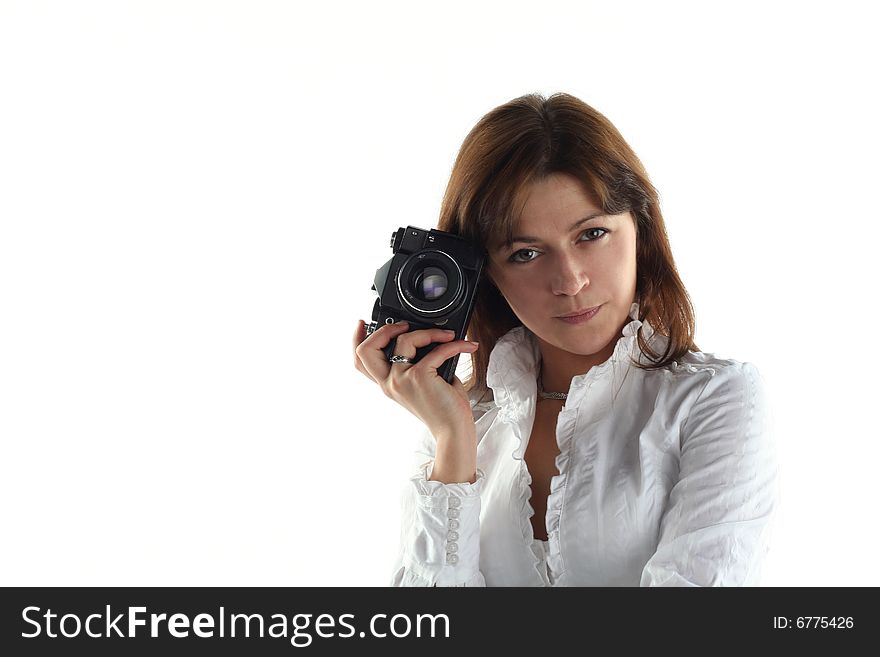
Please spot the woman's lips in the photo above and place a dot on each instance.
(578, 319)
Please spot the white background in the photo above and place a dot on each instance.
(195, 196)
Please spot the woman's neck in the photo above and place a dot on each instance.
(558, 367)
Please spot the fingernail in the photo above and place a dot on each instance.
(450, 331)
(476, 344)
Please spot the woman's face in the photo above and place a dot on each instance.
(563, 265)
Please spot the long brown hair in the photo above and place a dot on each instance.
(525, 140)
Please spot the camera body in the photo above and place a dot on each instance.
(430, 282)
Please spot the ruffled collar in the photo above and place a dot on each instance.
(513, 363)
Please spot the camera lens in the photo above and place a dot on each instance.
(430, 284)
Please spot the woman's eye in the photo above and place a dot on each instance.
(514, 258)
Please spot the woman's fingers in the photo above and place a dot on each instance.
(369, 352)
(408, 342)
(370, 358)
(441, 353)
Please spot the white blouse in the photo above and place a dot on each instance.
(666, 478)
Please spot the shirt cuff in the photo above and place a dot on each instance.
(445, 537)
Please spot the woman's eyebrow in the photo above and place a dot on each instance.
(528, 238)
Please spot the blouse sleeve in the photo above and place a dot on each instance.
(717, 525)
(440, 526)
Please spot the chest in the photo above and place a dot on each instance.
(540, 458)
(540, 455)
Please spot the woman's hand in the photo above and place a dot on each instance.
(443, 408)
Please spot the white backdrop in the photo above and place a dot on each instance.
(195, 196)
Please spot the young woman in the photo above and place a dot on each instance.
(593, 444)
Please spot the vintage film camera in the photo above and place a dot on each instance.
(431, 282)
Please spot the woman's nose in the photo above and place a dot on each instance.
(569, 278)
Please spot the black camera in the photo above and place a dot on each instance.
(430, 282)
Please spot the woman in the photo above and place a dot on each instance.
(584, 449)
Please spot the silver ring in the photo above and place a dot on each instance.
(399, 359)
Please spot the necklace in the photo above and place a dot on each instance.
(547, 395)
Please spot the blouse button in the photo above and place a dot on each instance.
(453, 524)
(451, 547)
(453, 513)
(454, 502)
(452, 558)
(452, 536)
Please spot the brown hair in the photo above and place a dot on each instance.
(525, 140)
